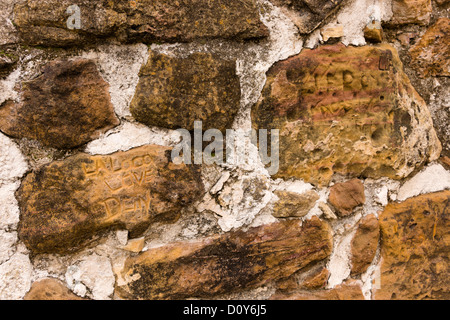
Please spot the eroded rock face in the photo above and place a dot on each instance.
(66, 106)
(50, 289)
(44, 23)
(67, 202)
(411, 11)
(365, 244)
(346, 196)
(430, 55)
(235, 261)
(348, 110)
(415, 247)
(307, 15)
(174, 92)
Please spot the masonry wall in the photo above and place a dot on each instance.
(95, 207)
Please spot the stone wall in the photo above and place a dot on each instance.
(95, 207)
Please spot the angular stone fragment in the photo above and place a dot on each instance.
(415, 246)
(45, 23)
(431, 54)
(307, 15)
(228, 263)
(346, 196)
(365, 244)
(67, 202)
(349, 290)
(50, 289)
(411, 11)
(348, 110)
(175, 92)
(334, 32)
(292, 204)
(66, 106)
(373, 32)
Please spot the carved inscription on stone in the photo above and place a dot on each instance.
(67, 202)
(348, 110)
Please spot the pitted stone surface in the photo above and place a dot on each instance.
(348, 110)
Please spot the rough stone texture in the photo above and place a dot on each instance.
(232, 262)
(50, 289)
(431, 179)
(317, 280)
(65, 107)
(15, 277)
(365, 244)
(292, 204)
(347, 291)
(430, 55)
(333, 32)
(348, 110)
(411, 11)
(174, 92)
(66, 202)
(307, 15)
(44, 22)
(346, 196)
(415, 247)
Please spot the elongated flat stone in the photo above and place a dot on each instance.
(67, 202)
(232, 262)
(347, 110)
(45, 22)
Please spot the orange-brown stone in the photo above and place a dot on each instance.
(50, 289)
(235, 261)
(67, 202)
(346, 196)
(365, 244)
(415, 246)
(347, 110)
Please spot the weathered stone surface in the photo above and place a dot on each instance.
(67, 202)
(411, 11)
(44, 23)
(430, 55)
(235, 261)
(307, 15)
(415, 242)
(66, 106)
(317, 280)
(373, 32)
(348, 110)
(349, 290)
(50, 289)
(346, 196)
(175, 92)
(292, 204)
(365, 244)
